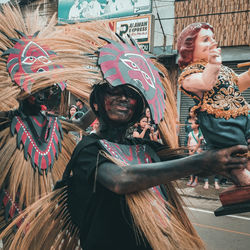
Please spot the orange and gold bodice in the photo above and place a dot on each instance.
(224, 100)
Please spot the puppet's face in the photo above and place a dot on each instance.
(202, 43)
(25, 58)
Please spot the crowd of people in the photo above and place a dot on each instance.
(195, 143)
(145, 129)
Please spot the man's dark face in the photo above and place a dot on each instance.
(119, 104)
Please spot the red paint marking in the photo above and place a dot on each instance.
(24, 137)
(43, 163)
(36, 158)
(38, 123)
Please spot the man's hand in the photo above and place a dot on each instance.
(223, 161)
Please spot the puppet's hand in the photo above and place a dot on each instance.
(210, 74)
(214, 56)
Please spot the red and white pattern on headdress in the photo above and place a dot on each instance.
(125, 63)
(27, 57)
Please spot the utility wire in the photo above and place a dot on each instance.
(163, 32)
(209, 14)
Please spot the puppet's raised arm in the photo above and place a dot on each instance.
(200, 82)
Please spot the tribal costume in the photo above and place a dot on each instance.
(222, 112)
(151, 219)
(34, 146)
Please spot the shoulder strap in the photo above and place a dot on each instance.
(66, 175)
(192, 132)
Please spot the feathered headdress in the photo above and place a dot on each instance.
(94, 53)
(23, 53)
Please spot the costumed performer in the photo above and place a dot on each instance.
(220, 107)
(34, 145)
(119, 194)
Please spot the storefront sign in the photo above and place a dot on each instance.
(71, 11)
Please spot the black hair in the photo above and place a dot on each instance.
(143, 115)
(197, 122)
(79, 100)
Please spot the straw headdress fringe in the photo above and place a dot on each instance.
(77, 54)
(168, 125)
(17, 174)
(52, 229)
(12, 21)
(169, 135)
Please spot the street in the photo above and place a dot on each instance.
(231, 232)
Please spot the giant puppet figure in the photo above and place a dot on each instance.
(222, 111)
(116, 193)
(34, 146)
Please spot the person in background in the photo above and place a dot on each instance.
(216, 183)
(143, 129)
(216, 177)
(188, 124)
(82, 108)
(72, 112)
(95, 126)
(194, 147)
(72, 116)
(81, 105)
(154, 132)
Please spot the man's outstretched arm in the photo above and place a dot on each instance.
(128, 179)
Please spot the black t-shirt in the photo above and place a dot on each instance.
(103, 216)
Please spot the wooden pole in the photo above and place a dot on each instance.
(243, 64)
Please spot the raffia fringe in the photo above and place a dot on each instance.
(12, 19)
(47, 225)
(30, 184)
